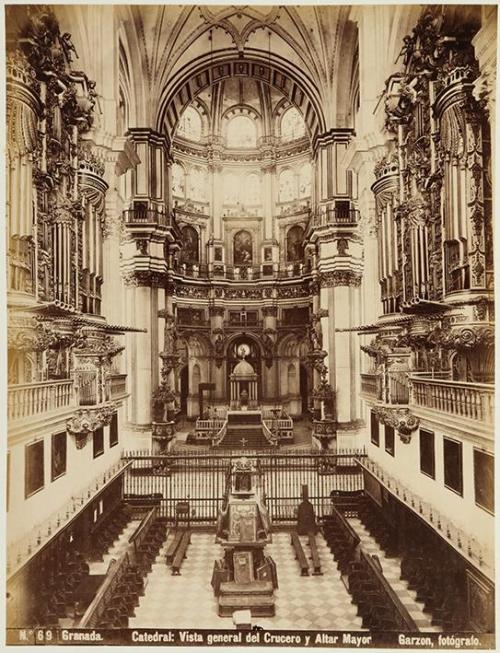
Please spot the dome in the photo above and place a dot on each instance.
(243, 368)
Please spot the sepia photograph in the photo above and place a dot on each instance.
(250, 325)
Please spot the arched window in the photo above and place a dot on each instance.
(241, 132)
(178, 180)
(305, 181)
(243, 248)
(252, 190)
(287, 186)
(231, 189)
(295, 244)
(197, 186)
(292, 125)
(190, 125)
(190, 252)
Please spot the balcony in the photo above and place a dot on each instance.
(461, 400)
(29, 399)
(339, 216)
(91, 392)
(390, 388)
(146, 217)
(266, 271)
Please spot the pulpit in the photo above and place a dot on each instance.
(245, 578)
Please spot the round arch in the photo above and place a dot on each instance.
(275, 72)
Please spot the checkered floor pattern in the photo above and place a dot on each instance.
(391, 568)
(302, 602)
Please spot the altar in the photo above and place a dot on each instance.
(243, 385)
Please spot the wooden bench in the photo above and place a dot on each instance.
(138, 549)
(377, 594)
(299, 554)
(173, 546)
(104, 597)
(341, 538)
(313, 545)
(180, 554)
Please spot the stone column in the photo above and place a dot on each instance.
(216, 197)
(219, 357)
(141, 305)
(270, 385)
(268, 186)
(340, 295)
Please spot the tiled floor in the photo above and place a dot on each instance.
(312, 602)
(391, 568)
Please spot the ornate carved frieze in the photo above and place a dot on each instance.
(465, 337)
(290, 292)
(23, 105)
(340, 278)
(29, 334)
(401, 419)
(148, 278)
(87, 420)
(316, 359)
(163, 430)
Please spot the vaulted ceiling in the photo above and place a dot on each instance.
(311, 44)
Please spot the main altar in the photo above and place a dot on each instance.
(245, 578)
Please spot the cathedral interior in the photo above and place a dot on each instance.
(250, 317)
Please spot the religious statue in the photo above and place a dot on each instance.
(244, 398)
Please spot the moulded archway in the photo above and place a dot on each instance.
(291, 82)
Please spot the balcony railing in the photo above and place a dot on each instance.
(336, 217)
(88, 388)
(459, 398)
(242, 272)
(145, 216)
(29, 399)
(397, 388)
(389, 388)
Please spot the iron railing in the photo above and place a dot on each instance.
(200, 480)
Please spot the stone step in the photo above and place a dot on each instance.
(259, 605)
(256, 588)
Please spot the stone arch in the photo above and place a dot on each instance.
(204, 72)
